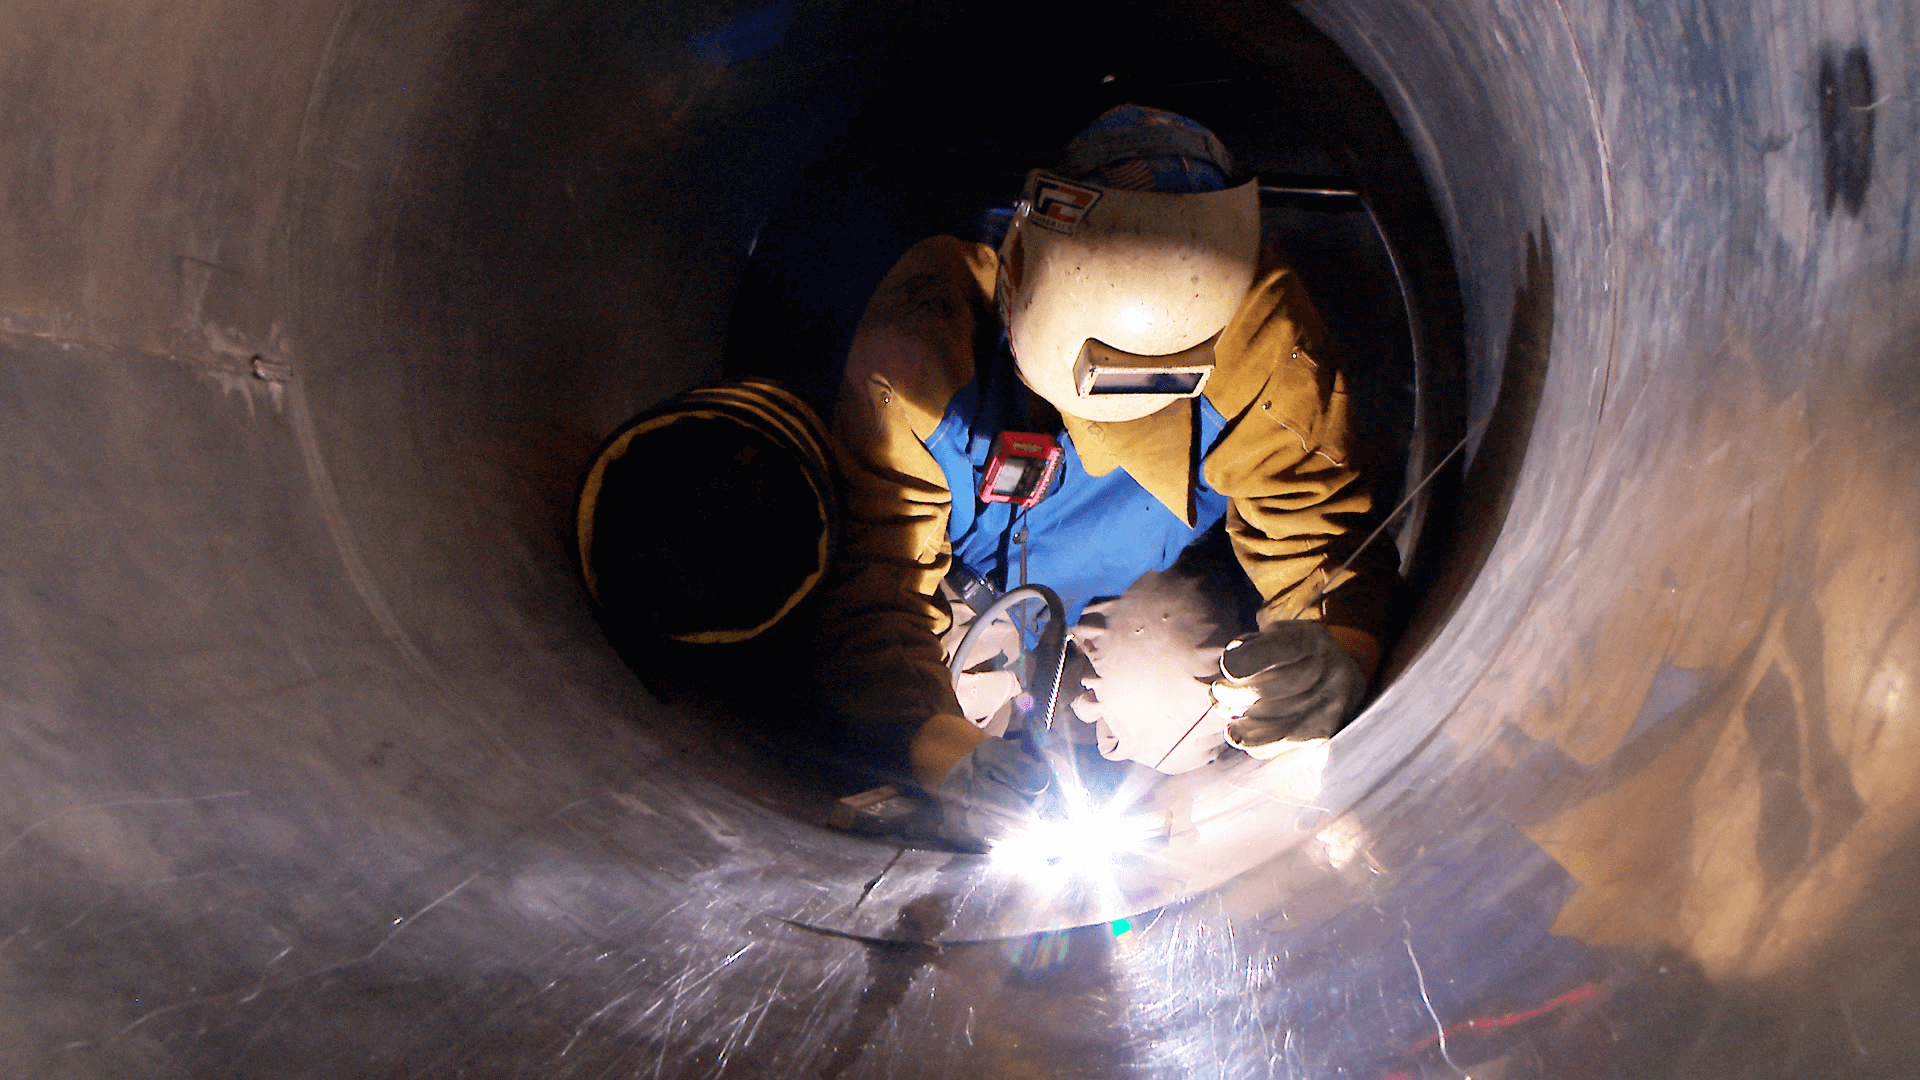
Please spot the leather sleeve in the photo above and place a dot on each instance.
(880, 613)
(1299, 506)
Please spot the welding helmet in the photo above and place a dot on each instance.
(1113, 289)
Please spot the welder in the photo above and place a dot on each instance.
(1130, 370)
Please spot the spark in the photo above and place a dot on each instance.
(264, 972)
(402, 923)
(1426, 999)
(584, 1024)
(115, 805)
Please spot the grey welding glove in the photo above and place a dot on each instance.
(990, 793)
(1286, 685)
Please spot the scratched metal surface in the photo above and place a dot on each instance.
(312, 763)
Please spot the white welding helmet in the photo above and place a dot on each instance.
(1113, 299)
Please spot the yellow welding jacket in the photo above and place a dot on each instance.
(709, 518)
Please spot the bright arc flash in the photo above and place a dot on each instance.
(1083, 842)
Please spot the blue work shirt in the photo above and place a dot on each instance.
(1092, 535)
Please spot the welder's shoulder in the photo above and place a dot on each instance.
(1274, 349)
(940, 280)
(915, 344)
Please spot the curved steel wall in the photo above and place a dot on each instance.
(315, 765)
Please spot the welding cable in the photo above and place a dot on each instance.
(1057, 631)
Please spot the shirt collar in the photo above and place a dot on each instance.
(1156, 450)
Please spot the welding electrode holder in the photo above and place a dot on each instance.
(1052, 644)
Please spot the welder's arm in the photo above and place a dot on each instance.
(881, 615)
(1299, 506)
(1294, 519)
(1299, 510)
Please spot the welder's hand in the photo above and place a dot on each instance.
(990, 793)
(1286, 685)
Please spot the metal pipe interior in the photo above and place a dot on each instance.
(316, 764)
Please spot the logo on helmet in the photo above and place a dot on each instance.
(1061, 206)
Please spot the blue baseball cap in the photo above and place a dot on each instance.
(1136, 148)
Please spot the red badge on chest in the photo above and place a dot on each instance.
(1021, 469)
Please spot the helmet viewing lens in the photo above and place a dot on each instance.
(1102, 370)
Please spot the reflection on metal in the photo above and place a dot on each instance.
(1640, 803)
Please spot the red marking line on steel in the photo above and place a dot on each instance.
(1479, 1027)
